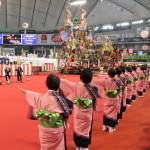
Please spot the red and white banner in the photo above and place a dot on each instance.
(49, 67)
(56, 39)
(27, 70)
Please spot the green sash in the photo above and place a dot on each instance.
(112, 93)
(142, 78)
(49, 119)
(84, 103)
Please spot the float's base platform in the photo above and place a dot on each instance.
(70, 70)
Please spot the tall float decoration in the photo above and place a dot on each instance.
(108, 55)
(78, 45)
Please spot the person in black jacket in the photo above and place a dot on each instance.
(19, 73)
(7, 74)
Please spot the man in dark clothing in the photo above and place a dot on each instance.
(7, 75)
(19, 73)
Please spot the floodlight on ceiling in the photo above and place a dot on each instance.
(137, 22)
(0, 3)
(123, 24)
(107, 27)
(77, 2)
(96, 28)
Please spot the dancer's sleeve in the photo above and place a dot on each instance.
(99, 82)
(34, 99)
(68, 88)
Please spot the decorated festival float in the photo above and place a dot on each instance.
(79, 49)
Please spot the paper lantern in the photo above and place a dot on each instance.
(130, 51)
(144, 47)
(144, 34)
(25, 25)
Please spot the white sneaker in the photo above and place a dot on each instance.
(128, 105)
(83, 148)
(104, 128)
(111, 130)
(114, 130)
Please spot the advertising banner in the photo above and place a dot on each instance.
(56, 39)
(44, 39)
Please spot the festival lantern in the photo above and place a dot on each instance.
(144, 47)
(144, 34)
(130, 51)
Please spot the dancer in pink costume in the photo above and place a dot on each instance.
(53, 111)
(141, 82)
(124, 92)
(136, 78)
(145, 71)
(110, 93)
(84, 96)
(122, 87)
(129, 85)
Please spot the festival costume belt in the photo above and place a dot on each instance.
(142, 78)
(136, 79)
(130, 81)
(49, 119)
(83, 103)
(112, 93)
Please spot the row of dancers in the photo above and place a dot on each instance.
(52, 109)
(7, 71)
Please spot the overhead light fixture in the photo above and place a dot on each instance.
(77, 2)
(107, 27)
(101, 0)
(123, 24)
(96, 28)
(0, 3)
(137, 22)
(148, 20)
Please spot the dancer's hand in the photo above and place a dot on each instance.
(22, 90)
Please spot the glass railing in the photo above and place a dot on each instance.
(136, 57)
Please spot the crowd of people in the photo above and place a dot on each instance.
(119, 88)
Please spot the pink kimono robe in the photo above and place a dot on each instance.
(111, 105)
(124, 92)
(122, 86)
(146, 74)
(121, 80)
(129, 87)
(141, 83)
(50, 138)
(135, 83)
(82, 117)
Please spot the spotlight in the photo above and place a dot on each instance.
(77, 2)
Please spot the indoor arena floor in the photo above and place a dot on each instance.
(19, 133)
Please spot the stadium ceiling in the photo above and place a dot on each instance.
(46, 15)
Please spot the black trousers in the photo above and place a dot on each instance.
(80, 141)
(144, 91)
(7, 77)
(133, 97)
(128, 101)
(109, 122)
(140, 93)
(19, 77)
